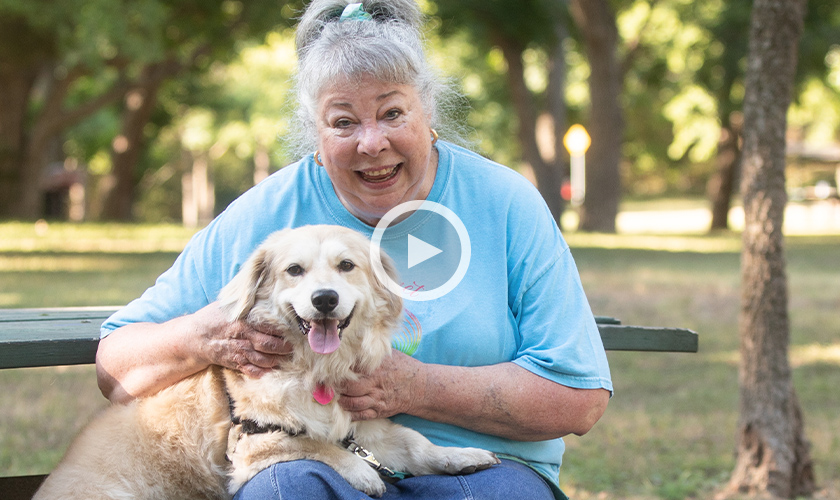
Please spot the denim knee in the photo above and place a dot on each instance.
(298, 479)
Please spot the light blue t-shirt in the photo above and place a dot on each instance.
(521, 299)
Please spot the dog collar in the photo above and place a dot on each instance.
(388, 474)
(253, 427)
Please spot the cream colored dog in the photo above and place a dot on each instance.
(207, 435)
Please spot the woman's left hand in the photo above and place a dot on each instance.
(389, 390)
(503, 400)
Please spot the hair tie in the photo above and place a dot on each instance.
(355, 12)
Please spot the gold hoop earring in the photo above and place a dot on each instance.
(434, 136)
(317, 157)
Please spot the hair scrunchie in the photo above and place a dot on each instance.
(355, 12)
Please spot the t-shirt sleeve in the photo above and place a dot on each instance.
(214, 254)
(179, 291)
(560, 340)
(558, 337)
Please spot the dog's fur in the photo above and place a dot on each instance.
(174, 444)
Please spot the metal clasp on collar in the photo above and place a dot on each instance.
(368, 457)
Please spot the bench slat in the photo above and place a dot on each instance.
(74, 342)
(51, 314)
(20, 487)
(70, 336)
(643, 338)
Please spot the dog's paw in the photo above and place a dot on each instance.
(469, 460)
(364, 478)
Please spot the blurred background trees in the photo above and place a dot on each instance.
(155, 110)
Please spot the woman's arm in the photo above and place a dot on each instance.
(504, 400)
(141, 359)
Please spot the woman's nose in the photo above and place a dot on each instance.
(372, 140)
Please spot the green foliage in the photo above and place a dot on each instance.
(90, 32)
(683, 64)
(233, 113)
(96, 44)
(480, 75)
(527, 21)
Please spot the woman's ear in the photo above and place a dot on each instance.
(238, 297)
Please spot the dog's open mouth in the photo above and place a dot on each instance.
(324, 334)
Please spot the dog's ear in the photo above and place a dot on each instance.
(238, 297)
(392, 302)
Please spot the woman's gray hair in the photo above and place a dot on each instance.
(388, 47)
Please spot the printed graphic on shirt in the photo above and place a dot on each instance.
(407, 339)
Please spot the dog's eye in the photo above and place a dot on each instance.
(346, 265)
(294, 270)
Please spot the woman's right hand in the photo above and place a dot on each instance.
(141, 359)
(239, 345)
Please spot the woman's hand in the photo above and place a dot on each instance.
(503, 400)
(140, 359)
(238, 345)
(390, 390)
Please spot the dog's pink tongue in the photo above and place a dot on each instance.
(323, 336)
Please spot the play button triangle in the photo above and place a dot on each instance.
(419, 251)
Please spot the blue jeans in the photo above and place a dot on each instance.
(307, 479)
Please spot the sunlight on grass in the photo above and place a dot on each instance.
(66, 237)
(8, 299)
(52, 263)
(812, 354)
(673, 243)
(799, 355)
(680, 216)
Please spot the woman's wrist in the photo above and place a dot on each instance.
(415, 379)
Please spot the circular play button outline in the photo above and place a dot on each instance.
(376, 242)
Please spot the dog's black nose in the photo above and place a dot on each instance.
(325, 300)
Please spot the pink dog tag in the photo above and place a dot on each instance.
(323, 394)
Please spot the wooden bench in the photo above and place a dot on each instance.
(70, 336)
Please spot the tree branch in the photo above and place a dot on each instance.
(634, 45)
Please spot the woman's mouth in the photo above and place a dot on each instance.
(381, 175)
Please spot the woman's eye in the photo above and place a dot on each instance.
(294, 270)
(342, 123)
(392, 114)
(346, 265)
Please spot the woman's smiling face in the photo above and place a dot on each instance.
(375, 143)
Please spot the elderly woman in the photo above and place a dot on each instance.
(509, 361)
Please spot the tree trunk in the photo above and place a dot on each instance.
(722, 184)
(596, 20)
(773, 457)
(548, 175)
(15, 87)
(126, 149)
(262, 163)
(198, 200)
(24, 152)
(23, 54)
(556, 103)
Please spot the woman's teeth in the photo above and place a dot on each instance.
(379, 175)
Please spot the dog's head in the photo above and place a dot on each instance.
(316, 285)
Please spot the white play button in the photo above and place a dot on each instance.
(419, 251)
(407, 245)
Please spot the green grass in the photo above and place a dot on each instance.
(667, 434)
(67, 265)
(669, 431)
